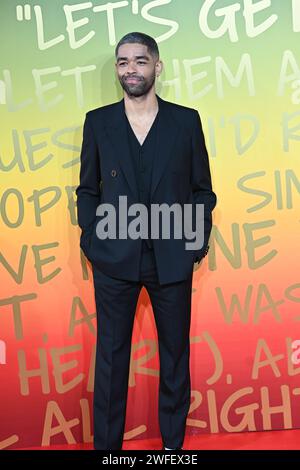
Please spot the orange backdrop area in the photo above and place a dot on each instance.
(238, 63)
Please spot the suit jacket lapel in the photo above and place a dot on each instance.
(167, 132)
(117, 131)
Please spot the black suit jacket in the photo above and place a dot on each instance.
(181, 174)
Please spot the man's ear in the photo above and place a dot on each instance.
(159, 67)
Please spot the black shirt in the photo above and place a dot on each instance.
(143, 156)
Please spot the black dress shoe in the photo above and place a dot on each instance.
(170, 450)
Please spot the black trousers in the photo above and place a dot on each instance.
(116, 302)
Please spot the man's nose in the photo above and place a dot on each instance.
(131, 67)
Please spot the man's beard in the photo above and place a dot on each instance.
(137, 89)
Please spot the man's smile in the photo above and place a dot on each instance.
(132, 80)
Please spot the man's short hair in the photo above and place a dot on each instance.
(140, 38)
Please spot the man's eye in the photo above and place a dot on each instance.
(141, 63)
(121, 63)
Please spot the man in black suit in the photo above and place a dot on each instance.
(151, 152)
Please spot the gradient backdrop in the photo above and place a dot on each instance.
(238, 63)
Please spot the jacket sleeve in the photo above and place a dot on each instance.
(201, 182)
(88, 192)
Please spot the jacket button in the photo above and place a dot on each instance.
(113, 173)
